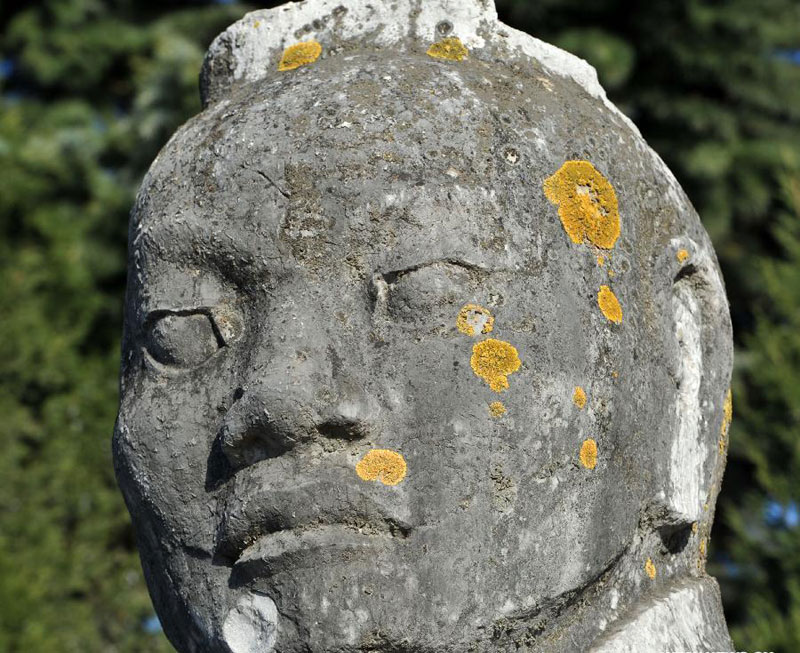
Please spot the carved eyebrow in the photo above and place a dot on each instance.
(392, 276)
(211, 247)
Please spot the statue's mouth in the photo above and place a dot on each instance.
(308, 548)
(305, 525)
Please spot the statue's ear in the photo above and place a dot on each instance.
(253, 47)
(700, 359)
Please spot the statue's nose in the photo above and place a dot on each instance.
(263, 424)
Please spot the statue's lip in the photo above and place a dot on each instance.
(306, 548)
(301, 513)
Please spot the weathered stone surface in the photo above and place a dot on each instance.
(363, 293)
(685, 616)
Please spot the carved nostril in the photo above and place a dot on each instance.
(343, 429)
(250, 435)
(261, 426)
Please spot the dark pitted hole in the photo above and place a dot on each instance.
(444, 27)
(685, 272)
(342, 429)
(675, 537)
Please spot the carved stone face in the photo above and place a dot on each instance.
(378, 394)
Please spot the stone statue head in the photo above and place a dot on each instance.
(425, 349)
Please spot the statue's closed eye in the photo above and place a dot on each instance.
(427, 293)
(182, 339)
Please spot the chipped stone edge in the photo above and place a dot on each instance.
(248, 49)
(687, 489)
(251, 626)
(688, 493)
(686, 615)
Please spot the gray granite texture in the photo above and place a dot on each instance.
(425, 351)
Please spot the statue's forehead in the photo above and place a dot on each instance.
(392, 124)
(283, 206)
(307, 171)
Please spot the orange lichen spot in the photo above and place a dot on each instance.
(682, 255)
(473, 319)
(450, 48)
(579, 397)
(496, 409)
(727, 412)
(601, 260)
(727, 417)
(300, 54)
(702, 547)
(609, 305)
(383, 465)
(587, 203)
(650, 568)
(588, 454)
(493, 360)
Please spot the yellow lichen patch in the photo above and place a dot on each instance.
(383, 465)
(727, 417)
(682, 255)
(473, 317)
(587, 203)
(601, 260)
(694, 527)
(579, 397)
(650, 568)
(257, 24)
(588, 454)
(609, 305)
(727, 412)
(450, 48)
(702, 550)
(300, 54)
(615, 374)
(493, 360)
(496, 409)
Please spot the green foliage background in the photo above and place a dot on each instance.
(91, 89)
